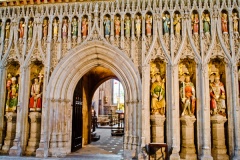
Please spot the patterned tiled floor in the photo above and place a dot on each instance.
(112, 144)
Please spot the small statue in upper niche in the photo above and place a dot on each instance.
(158, 96)
(166, 23)
(224, 23)
(195, 22)
(55, 28)
(45, 28)
(127, 27)
(21, 29)
(107, 28)
(117, 24)
(187, 94)
(235, 22)
(138, 26)
(65, 29)
(30, 29)
(177, 23)
(7, 30)
(84, 27)
(149, 25)
(206, 23)
(74, 27)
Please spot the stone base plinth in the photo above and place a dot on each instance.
(35, 130)
(157, 127)
(11, 131)
(219, 150)
(188, 150)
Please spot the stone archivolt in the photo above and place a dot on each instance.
(140, 48)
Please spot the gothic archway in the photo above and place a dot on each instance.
(64, 80)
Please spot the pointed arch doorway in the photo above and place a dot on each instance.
(64, 79)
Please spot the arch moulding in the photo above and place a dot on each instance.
(65, 77)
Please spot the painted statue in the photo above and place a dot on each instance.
(158, 96)
(7, 30)
(138, 26)
(45, 28)
(30, 29)
(217, 94)
(107, 24)
(55, 28)
(74, 27)
(235, 22)
(84, 27)
(195, 23)
(65, 28)
(206, 23)
(12, 95)
(224, 23)
(187, 94)
(127, 27)
(149, 25)
(177, 24)
(166, 23)
(35, 103)
(117, 24)
(21, 29)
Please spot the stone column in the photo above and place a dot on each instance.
(35, 130)
(11, 130)
(219, 150)
(157, 124)
(188, 150)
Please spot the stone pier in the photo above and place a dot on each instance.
(11, 131)
(188, 150)
(35, 130)
(219, 150)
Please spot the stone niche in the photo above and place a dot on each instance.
(35, 106)
(187, 102)
(218, 108)
(158, 104)
(10, 107)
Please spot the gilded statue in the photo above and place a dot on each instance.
(235, 22)
(187, 94)
(7, 30)
(158, 96)
(138, 26)
(217, 94)
(55, 28)
(45, 28)
(177, 23)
